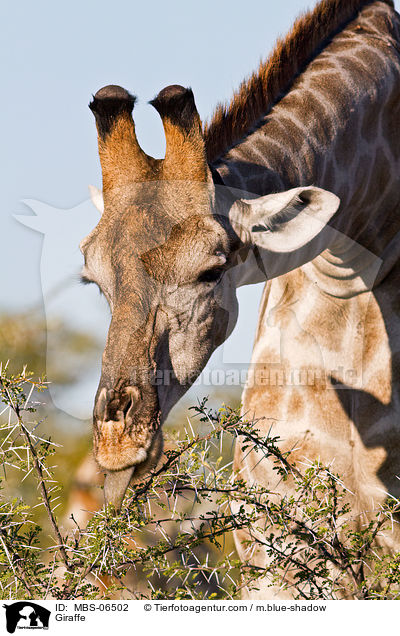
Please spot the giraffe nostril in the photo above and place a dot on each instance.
(129, 401)
(113, 405)
(100, 405)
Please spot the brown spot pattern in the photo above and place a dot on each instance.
(256, 96)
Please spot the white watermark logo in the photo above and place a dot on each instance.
(295, 355)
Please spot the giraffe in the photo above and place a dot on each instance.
(177, 236)
(350, 312)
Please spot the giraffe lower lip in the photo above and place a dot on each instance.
(115, 486)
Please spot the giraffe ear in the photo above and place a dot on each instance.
(96, 197)
(287, 221)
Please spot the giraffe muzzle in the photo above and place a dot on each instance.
(117, 481)
(127, 438)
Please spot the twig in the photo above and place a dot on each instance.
(41, 480)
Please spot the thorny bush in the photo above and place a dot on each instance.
(172, 539)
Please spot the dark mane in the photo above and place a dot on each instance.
(257, 95)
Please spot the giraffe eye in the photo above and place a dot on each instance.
(85, 280)
(211, 275)
(88, 281)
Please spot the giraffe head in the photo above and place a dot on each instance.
(166, 254)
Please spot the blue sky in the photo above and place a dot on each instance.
(55, 55)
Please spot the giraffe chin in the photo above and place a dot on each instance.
(117, 481)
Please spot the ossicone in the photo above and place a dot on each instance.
(109, 104)
(177, 104)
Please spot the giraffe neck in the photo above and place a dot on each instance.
(337, 129)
